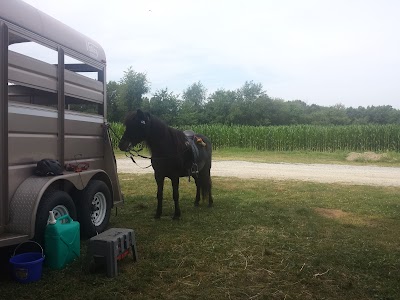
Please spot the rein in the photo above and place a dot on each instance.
(108, 127)
(128, 153)
(131, 155)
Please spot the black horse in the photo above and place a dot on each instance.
(174, 154)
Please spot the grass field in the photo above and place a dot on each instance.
(261, 240)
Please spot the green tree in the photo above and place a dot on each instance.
(132, 87)
(384, 114)
(195, 95)
(114, 113)
(192, 106)
(333, 115)
(248, 105)
(218, 107)
(165, 105)
(357, 115)
(253, 106)
(297, 112)
(251, 91)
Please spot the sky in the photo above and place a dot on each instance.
(323, 52)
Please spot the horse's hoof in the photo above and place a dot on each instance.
(196, 204)
(157, 216)
(210, 204)
(176, 218)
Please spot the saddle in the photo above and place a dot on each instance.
(192, 141)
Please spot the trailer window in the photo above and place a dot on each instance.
(33, 78)
(84, 88)
(28, 95)
(81, 68)
(36, 51)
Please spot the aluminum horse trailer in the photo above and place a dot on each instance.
(52, 106)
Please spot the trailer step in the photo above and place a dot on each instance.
(7, 239)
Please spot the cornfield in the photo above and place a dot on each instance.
(358, 138)
(116, 132)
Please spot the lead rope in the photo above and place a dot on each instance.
(131, 155)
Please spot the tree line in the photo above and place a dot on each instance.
(247, 105)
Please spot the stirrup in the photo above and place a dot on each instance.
(195, 169)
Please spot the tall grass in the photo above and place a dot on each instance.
(359, 138)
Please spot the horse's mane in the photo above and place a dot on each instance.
(131, 115)
(166, 131)
(160, 130)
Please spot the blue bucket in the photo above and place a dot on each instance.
(27, 267)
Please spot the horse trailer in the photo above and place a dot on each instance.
(52, 106)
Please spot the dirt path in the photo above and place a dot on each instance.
(346, 174)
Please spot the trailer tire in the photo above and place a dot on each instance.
(94, 208)
(60, 203)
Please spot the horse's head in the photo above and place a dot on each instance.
(136, 127)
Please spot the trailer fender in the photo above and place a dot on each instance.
(25, 201)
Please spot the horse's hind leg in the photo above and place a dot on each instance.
(160, 189)
(209, 185)
(175, 195)
(197, 181)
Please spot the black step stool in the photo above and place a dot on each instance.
(113, 245)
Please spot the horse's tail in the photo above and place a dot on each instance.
(205, 186)
(205, 183)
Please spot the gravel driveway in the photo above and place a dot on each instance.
(346, 174)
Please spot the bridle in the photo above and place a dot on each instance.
(130, 152)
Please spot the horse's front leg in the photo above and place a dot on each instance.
(160, 189)
(175, 195)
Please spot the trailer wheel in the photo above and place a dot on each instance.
(60, 203)
(94, 208)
